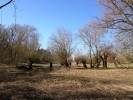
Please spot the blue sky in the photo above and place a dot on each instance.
(48, 15)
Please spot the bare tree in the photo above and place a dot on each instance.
(61, 45)
(70, 60)
(118, 15)
(22, 44)
(3, 44)
(97, 39)
(32, 45)
(104, 54)
(91, 34)
(77, 60)
(80, 58)
(48, 57)
(86, 36)
(124, 47)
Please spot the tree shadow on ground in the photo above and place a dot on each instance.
(99, 95)
(38, 73)
(93, 94)
(22, 93)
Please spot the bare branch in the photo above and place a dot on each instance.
(5, 4)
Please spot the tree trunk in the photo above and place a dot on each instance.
(97, 62)
(104, 60)
(77, 63)
(51, 66)
(91, 63)
(103, 63)
(61, 64)
(66, 63)
(84, 65)
(70, 63)
(115, 63)
(30, 65)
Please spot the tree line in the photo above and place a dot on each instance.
(117, 19)
(20, 43)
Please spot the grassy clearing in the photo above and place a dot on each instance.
(68, 84)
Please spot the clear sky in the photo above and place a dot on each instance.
(48, 15)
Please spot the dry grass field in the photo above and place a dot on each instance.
(65, 84)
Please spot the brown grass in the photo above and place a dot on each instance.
(68, 84)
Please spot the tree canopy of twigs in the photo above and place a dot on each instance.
(61, 45)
